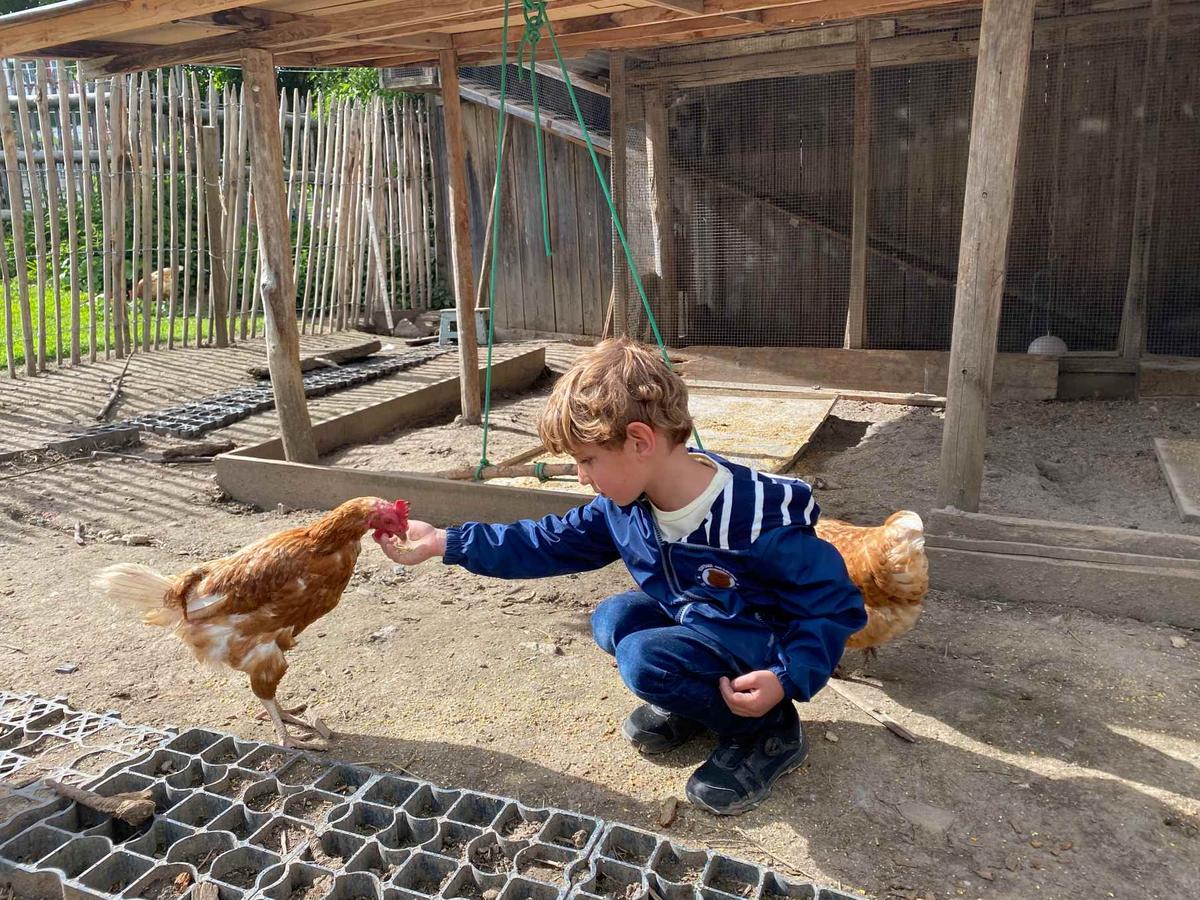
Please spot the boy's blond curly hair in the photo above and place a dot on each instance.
(616, 383)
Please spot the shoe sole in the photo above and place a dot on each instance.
(748, 805)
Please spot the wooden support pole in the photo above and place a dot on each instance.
(658, 157)
(64, 118)
(1002, 73)
(16, 200)
(278, 290)
(460, 242)
(856, 311)
(216, 233)
(85, 138)
(485, 267)
(1133, 313)
(616, 315)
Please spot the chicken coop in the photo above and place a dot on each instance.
(928, 202)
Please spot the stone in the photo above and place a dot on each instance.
(933, 819)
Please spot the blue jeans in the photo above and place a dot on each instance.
(669, 665)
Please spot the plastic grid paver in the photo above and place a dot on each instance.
(259, 821)
(190, 420)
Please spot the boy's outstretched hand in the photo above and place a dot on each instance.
(753, 694)
(424, 542)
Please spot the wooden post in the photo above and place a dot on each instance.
(147, 200)
(460, 242)
(172, 201)
(1133, 313)
(658, 160)
(46, 137)
(114, 237)
(68, 145)
(186, 144)
(489, 236)
(278, 291)
(617, 169)
(216, 233)
(1002, 73)
(856, 311)
(16, 201)
(39, 222)
(85, 138)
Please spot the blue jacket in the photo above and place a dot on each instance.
(753, 580)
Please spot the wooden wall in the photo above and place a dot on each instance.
(568, 292)
(762, 175)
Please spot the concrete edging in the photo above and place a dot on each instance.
(259, 474)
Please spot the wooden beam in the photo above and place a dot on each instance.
(210, 158)
(1000, 81)
(278, 290)
(690, 7)
(1133, 312)
(80, 20)
(203, 49)
(460, 241)
(856, 310)
(658, 165)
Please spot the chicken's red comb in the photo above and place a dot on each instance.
(401, 507)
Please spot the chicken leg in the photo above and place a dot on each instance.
(278, 717)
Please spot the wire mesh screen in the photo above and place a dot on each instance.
(760, 198)
(1173, 297)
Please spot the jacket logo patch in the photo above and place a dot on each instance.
(716, 577)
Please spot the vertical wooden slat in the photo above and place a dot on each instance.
(1133, 312)
(210, 157)
(147, 198)
(17, 206)
(135, 188)
(201, 224)
(856, 310)
(249, 255)
(6, 296)
(460, 244)
(389, 156)
(428, 232)
(38, 220)
(104, 99)
(617, 314)
(116, 227)
(172, 201)
(658, 154)
(407, 216)
(314, 218)
(239, 202)
(302, 192)
(1002, 72)
(283, 343)
(68, 145)
(46, 136)
(159, 262)
(325, 248)
(187, 143)
(85, 140)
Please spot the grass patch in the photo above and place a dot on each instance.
(60, 304)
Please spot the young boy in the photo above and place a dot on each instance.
(741, 608)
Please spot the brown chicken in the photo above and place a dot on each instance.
(246, 610)
(888, 564)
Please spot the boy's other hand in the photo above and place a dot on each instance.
(753, 694)
(424, 542)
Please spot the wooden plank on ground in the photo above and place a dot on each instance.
(984, 527)
(1150, 593)
(1180, 461)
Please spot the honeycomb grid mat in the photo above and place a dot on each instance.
(193, 419)
(263, 823)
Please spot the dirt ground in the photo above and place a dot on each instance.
(1058, 751)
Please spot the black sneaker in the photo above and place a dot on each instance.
(652, 730)
(741, 771)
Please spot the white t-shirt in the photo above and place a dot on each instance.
(677, 524)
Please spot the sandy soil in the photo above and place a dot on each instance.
(1087, 462)
(1058, 753)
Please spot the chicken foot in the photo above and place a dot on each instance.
(278, 717)
(287, 714)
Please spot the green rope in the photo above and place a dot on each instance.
(491, 338)
(612, 208)
(534, 12)
(535, 20)
(539, 469)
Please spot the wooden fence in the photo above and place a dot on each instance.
(128, 207)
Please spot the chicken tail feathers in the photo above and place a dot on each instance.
(138, 587)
